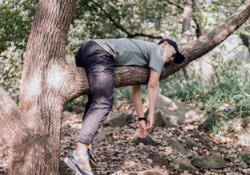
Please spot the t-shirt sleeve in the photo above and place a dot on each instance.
(157, 58)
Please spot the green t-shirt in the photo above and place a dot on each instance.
(132, 52)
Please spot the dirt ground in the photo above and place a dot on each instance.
(118, 156)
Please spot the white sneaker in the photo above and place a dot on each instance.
(78, 164)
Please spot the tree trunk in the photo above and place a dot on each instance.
(207, 69)
(41, 93)
(32, 131)
(185, 30)
(205, 60)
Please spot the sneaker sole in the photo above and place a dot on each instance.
(72, 166)
(92, 165)
(92, 162)
(69, 163)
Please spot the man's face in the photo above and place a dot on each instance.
(169, 50)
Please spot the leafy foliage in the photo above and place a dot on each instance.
(117, 18)
(16, 19)
(11, 65)
(222, 101)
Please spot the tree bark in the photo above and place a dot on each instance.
(205, 61)
(41, 93)
(186, 30)
(198, 19)
(207, 69)
(32, 131)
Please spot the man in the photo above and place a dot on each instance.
(99, 57)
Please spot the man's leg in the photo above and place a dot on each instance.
(102, 87)
(81, 147)
(99, 66)
(87, 105)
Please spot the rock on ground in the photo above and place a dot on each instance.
(151, 172)
(246, 171)
(215, 161)
(170, 113)
(177, 146)
(66, 115)
(146, 141)
(191, 143)
(204, 140)
(117, 119)
(185, 166)
(102, 136)
(159, 159)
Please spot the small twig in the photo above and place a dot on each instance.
(119, 26)
(217, 3)
(246, 26)
(176, 4)
(233, 49)
(246, 33)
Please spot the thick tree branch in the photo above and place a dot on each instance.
(129, 75)
(119, 26)
(209, 41)
(12, 128)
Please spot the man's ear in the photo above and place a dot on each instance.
(165, 43)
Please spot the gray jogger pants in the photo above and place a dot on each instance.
(99, 66)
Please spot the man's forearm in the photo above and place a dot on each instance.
(137, 100)
(153, 91)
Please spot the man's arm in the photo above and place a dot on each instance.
(137, 100)
(153, 90)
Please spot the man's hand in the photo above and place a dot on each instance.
(150, 124)
(142, 127)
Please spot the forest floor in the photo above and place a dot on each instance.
(118, 156)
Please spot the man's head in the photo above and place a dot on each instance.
(172, 51)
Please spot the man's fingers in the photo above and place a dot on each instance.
(140, 134)
(149, 127)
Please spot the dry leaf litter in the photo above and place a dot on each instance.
(117, 154)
